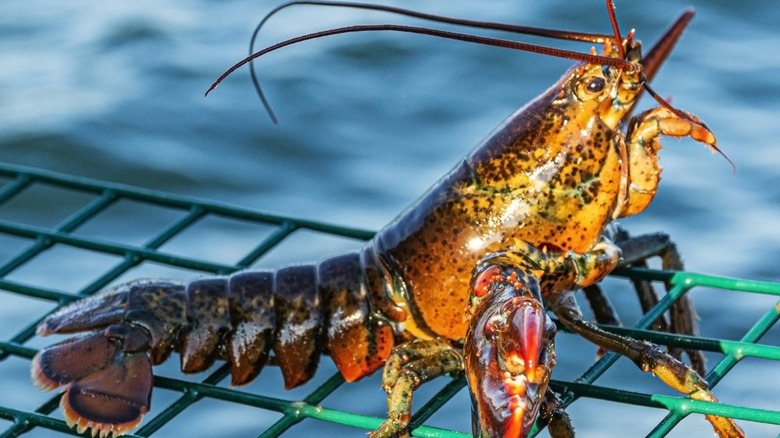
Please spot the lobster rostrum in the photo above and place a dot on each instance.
(461, 280)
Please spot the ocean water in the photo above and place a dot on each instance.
(114, 91)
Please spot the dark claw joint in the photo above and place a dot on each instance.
(509, 353)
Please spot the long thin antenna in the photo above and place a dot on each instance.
(594, 38)
(495, 42)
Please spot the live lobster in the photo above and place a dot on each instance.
(460, 280)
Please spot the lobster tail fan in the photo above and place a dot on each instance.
(113, 399)
(105, 388)
(71, 360)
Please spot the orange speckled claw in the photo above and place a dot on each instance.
(509, 356)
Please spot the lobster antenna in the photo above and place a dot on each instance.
(525, 30)
(595, 38)
(495, 42)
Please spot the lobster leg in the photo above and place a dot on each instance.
(601, 306)
(603, 312)
(561, 269)
(552, 415)
(410, 365)
(683, 317)
(648, 357)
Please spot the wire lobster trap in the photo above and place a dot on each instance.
(63, 238)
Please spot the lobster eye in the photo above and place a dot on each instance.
(596, 84)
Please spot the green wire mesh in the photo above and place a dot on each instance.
(76, 214)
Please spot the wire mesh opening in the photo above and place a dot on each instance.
(63, 238)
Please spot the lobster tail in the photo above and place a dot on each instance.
(114, 398)
(301, 310)
(297, 311)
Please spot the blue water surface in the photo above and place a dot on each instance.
(114, 91)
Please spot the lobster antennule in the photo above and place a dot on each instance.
(651, 64)
(702, 135)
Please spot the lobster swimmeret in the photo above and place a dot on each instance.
(512, 230)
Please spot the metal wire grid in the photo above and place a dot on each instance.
(33, 241)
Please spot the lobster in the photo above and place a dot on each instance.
(460, 281)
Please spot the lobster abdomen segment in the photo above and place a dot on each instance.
(357, 340)
(254, 323)
(208, 319)
(297, 344)
(158, 306)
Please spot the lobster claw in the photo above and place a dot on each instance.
(509, 356)
(107, 381)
